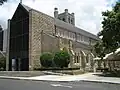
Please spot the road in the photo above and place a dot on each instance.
(9, 84)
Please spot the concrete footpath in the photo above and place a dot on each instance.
(90, 77)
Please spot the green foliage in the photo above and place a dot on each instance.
(100, 49)
(2, 64)
(46, 59)
(2, 1)
(111, 28)
(62, 59)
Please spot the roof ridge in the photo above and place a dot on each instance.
(26, 7)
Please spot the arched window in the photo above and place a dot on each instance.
(87, 58)
(69, 19)
(77, 59)
(64, 19)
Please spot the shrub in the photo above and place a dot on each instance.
(62, 59)
(2, 63)
(46, 59)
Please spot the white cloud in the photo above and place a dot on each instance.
(87, 12)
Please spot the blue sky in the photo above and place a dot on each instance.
(87, 12)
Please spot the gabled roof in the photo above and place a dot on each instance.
(73, 28)
(67, 26)
(26, 7)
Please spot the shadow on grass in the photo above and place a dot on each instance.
(109, 74)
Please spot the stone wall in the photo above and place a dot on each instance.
(49, 43)
(42, 39)
(38, 22)
(76, 44)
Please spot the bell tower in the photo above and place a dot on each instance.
(65, 16)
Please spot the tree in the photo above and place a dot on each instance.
(46, 59)
(62, 59)
(111, 28)
(2, 1)
(99, 49)
(2, 64)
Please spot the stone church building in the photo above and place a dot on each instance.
(31, 32)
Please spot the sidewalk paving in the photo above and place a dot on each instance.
(21, 73)
(91, 77)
